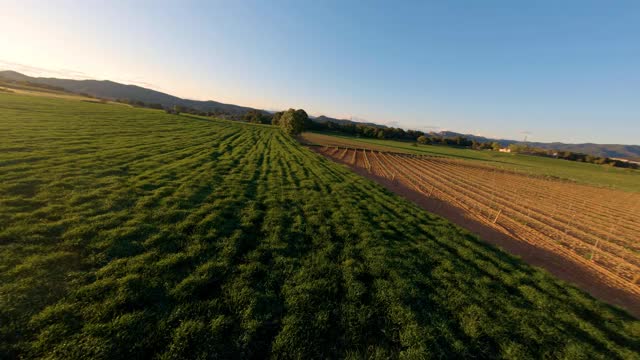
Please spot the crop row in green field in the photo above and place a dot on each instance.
(128, 233)
(584, 173)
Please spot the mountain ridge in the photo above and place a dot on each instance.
(112, 90)
(621, 151)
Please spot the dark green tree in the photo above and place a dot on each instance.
(293, 121)
(276, 118)
(256, 117)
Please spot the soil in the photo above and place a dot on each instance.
(584, 277)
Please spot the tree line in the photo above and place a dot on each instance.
(571, 156)
(295, 121)
(368, 131)
(291, 121)
(393, 133)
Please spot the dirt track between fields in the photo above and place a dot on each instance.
(568, 268)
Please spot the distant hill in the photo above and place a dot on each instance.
(106, 89)
(324, 119)
(112, 90)
(630, 152)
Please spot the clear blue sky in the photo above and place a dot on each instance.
(559, 70)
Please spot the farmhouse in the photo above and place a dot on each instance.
(507, 150)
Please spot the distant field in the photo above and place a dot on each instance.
(591, 174)
(131, 233)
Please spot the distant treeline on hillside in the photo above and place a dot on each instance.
(177, 109)
(349, 128)
(291, 121)
(106, 90)
(461, 141)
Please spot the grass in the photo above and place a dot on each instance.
(584, 173)
(129, 233)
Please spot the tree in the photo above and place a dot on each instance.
(461, 141)
(276, 118)
(519, 148)
(302, 119)
(495, 146)
(256, 117)
(306, 122)
(423, 139)
(286, 121)
(293, 121)
(600, 160)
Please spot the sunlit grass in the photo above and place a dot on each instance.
(129, 233)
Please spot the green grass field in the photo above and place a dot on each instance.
(129, 233)
(584, 173)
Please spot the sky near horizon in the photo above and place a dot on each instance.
(551, 70)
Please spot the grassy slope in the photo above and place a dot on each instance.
(591, 174)
(130, 233)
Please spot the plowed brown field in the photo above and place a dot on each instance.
(595, 227)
